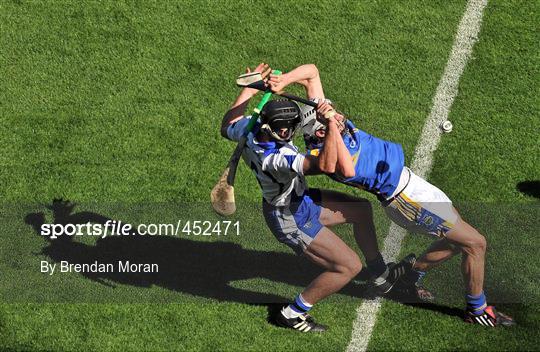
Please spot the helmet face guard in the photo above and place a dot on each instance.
(312, 142)
(279, 115)
(310, 126)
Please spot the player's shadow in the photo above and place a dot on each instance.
(200, 268)
(398, 297)
(434, 307)
(530, 188)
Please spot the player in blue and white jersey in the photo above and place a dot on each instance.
(298, 216)
(412, 203)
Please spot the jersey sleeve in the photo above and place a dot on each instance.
(236, 130)
(284, 163)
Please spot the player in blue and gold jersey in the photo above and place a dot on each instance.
(411, 202)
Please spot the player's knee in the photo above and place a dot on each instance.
(476, 244)
(480, 243)
(354, 266)
(349, 267)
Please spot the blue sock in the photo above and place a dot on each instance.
(377, 266)
(300, 305)
(476, 304)
(296, 308)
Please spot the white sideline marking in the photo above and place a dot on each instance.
(466, 36)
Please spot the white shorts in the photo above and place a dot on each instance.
(421, 207)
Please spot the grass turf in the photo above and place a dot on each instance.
(494, 147)
(115, 106)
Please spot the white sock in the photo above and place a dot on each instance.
(289, 313)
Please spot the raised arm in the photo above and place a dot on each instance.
(334, 156)
(306, 75)
(238, 108)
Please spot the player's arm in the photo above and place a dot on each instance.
(345, 164)
(306, 75)
(328, 157)
(334, 157)
(279, 163)
(238, 108)
(311, 166)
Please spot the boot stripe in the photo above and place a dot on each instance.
(297, 326)
(479, 320)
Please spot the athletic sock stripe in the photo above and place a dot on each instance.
(297, 308)
(299, 302)
(482, 307)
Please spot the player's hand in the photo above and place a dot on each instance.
(264, 69)
(325, 112)
(276, 83)
(327, 115)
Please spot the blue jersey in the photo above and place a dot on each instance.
(377, 163)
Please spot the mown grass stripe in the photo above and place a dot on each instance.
(466, 37)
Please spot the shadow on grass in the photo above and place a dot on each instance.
(198, 268)
(451, 311)
(530, 188)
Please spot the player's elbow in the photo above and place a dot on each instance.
(346, 168)
(348, 172)
(327, 168)
(313, 69)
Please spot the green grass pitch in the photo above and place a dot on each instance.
(115, 106)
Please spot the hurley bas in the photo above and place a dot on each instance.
(96, 267)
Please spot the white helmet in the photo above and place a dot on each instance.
(310, 124)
